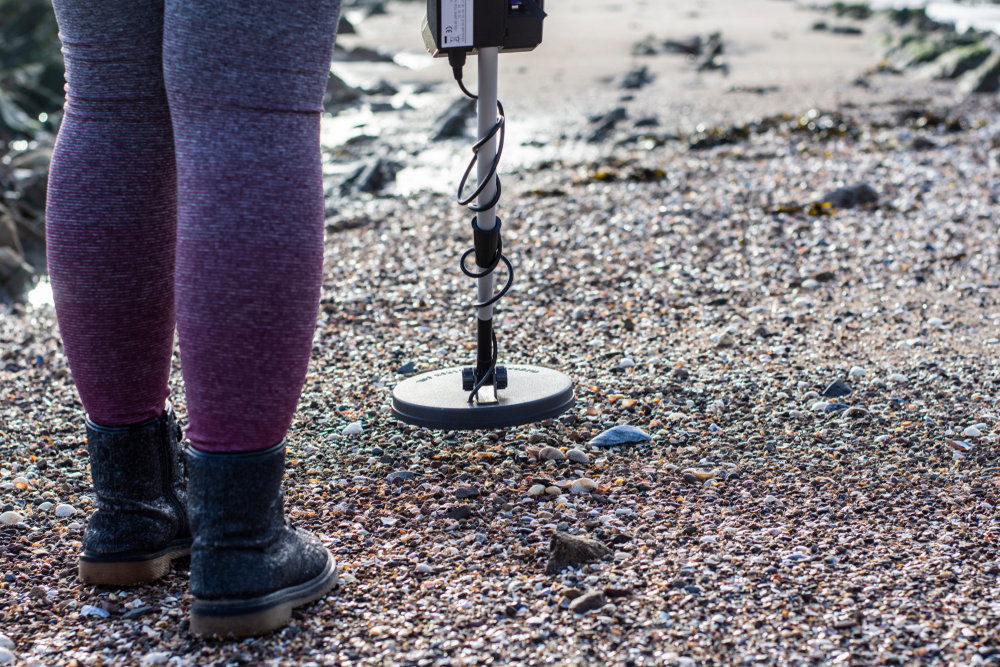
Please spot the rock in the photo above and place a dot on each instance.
(353, 428)
(836, 389)
(11, 518)
(551, 454)
(467, 492)
(571, 593)
(856, 372)
(383, 87)
(725, 339)
(956, 62)
(851, 195)
(583, 485)
(536, 490)
(577, 456)
(898, 378)
(604, 125)
(338, 94)
(958, 445)
(45, 506)
(154, 658)
(620, 435)
(139, 612)
(371, 177)
(400, 476)
(6, 642)
(691, 478)
(615, 593)
(7, 656)
(64, 510)
(345, 27)
(571, 551)
(983, 79)
(589, 601)
(690, 46)
(424, 568)
(407, 368)
(452, 124)
(386, 459)
(459, 513)
(636, 79)
(553, 490)
(972, 432)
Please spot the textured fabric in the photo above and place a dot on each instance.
(186, 183)
(243, 548)
(140, 488)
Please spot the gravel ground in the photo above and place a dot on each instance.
(704, 296)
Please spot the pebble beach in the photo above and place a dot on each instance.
(782, 330)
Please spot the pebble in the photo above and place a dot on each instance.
(577, 456)
(972, 432)
(154, 658)
(7, 656)
(536, 490)
(424, 568)
(836, 389)
(354, 428)
(467, 492)
(856, 372)
(620, 435)
(551, 454)
(6, 642)
(400, 476)
(11, 518)
(589, 601)
(64, 510)
(898, 378)
(725, 339)
(46, 506)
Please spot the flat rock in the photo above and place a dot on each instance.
(572, 551)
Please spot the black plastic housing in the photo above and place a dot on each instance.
(509, 25)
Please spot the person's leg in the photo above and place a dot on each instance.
(111, 215)
(245, 81)
(111, 235)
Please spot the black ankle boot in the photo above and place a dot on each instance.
(249, 568)
(141, 495)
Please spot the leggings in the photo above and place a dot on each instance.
(186, 190)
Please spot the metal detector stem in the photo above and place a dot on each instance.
(486, 220)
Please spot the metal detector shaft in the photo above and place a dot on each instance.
(486, 220)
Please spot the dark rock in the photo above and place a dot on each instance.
(467, 492)
(922, 144)
(824, 276)
(850, 196)
(711, 52)
(650, 121)
(836, 389)
(681, 374)
(846, 30)
(400, 476)
(570, 551)
(604, 125)
(955, 63)
(345, 27)
(636, 79)
(614, 593)
(372, 177)
(691, 479)
(459, 513)
(383, 87)
(983, 79)
(452, 123)
(139, 612)
(406, 368)
(338, 94)
(589, 601)
(690, 46)
(819, 26)
(386, 459)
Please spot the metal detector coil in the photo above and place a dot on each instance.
(487, 395)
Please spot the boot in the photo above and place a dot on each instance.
(249, 568)
(140, 489)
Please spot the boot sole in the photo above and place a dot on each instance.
(129, 569)
(235, 619)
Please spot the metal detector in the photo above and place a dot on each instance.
(487, 395)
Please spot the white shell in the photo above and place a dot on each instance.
(10, 518)
(536, 490)
(577, 456)
(583, 485)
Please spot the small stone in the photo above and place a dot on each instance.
(856, 372)
(46, 506)
(7, 656)
(154, 658)
(11, 518)
(836, 389)
(571, 593)
(400, 476)
(959, 445)
(573, 551)
(724, 339)
(690, 478)
(620, 435)
(588, 602)
(353, 428)
(536, 490)
(577, 456)
(6, 642)
(424, 568)
(972, 432)
(406, 369)
(851, 196)
(467, 492)
(898, 378)
(63, 510)
(551, 454)
(626, 362)
(553, 490)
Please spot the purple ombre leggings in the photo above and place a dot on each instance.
(186, 189)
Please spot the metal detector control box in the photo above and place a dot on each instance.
(508, 25)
